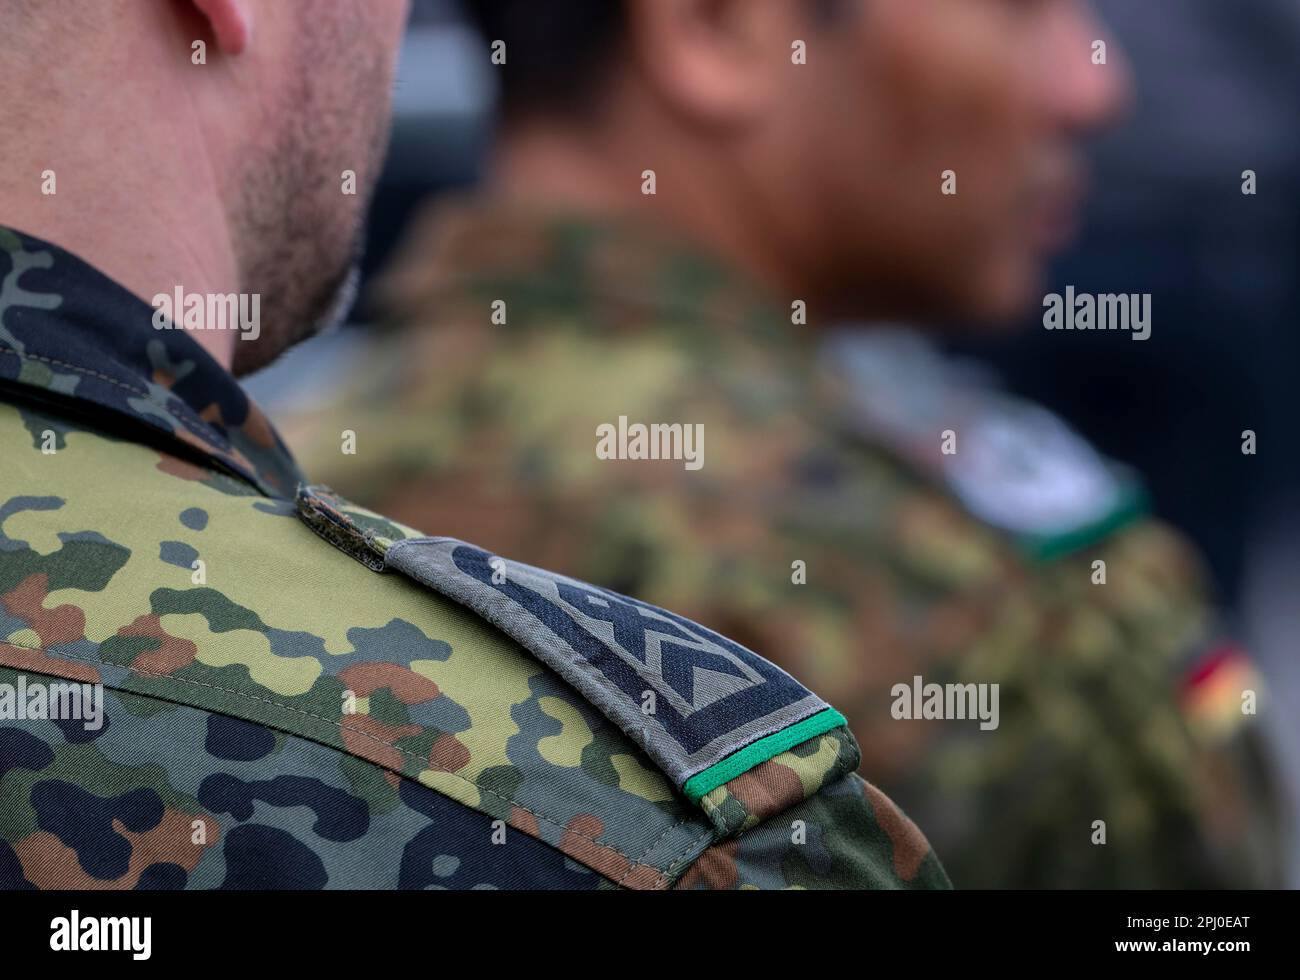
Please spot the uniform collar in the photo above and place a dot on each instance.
(72, 336)
(606, 273)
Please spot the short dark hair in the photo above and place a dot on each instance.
(557, 51)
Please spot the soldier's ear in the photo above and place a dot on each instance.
(717, 60)
(231, 22)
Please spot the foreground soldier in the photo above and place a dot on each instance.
(296, 693)
(672, 192)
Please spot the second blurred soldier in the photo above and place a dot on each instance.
(682, 195)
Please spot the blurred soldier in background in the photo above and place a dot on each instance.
(1215, 97)
(683, 194)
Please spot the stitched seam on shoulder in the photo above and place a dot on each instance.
(680, 861)
(636, 862)
(197, 426)
(653, 845)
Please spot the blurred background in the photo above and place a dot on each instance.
(1218, 89)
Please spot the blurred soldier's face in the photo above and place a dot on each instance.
(327, 112)
(899, 97)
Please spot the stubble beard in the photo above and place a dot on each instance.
(300, 236)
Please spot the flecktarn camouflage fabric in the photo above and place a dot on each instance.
(215, 675)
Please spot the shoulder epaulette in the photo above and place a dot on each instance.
(706, 710)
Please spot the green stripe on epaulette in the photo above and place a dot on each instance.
(756, 753)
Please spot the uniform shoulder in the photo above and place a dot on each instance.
(704, 708)
(199, 605)
(768, 763)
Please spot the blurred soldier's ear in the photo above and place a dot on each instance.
(718, 61)
(231, 22)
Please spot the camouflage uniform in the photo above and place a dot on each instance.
(513, 336)
(358, 706)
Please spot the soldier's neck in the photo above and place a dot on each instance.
(586, 171)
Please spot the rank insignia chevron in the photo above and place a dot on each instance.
(704, 708)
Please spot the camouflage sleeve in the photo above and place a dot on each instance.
(847, 836)
(1215, 693)
(1105, 770)
(804, 819)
